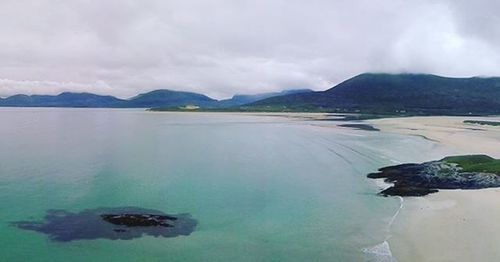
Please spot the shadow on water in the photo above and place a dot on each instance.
(64, 226)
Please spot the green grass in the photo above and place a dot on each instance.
(479, 122)
(476, 163)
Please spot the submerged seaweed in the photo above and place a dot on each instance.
(61, 225)
(365, 127)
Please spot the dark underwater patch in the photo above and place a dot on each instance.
(365, 127)
(110, 223)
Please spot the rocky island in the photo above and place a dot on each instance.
(139, 220)
(455, 172)
(123, 223)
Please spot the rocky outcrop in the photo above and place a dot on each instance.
(138, 220)
(426, 178)
(110, 223)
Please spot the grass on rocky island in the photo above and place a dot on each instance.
(476, 163)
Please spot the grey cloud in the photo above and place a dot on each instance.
(224, 47)
(478, 18)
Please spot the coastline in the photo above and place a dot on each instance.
(448, 131)
(451, 225)
(382, 251)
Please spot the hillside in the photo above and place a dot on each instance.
(168, 98)
(158, 98)
(151, 99)
(414, 94)
(238, 100)
(401, 94)
(66, 99)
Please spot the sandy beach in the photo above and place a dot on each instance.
(451, 225)
(448, 131)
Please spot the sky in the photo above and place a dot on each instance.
(221, 48)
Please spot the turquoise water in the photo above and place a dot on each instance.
(262, 188)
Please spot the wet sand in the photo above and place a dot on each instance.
(451, 225)
(448, 131)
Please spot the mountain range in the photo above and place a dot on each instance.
(407, 94)
(66, 99)
(157, 98)
(238, 100)
(401, 94)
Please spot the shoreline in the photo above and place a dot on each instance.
(382, 251)
(449, 131)
(451, 225)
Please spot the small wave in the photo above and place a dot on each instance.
(379, 253)
(382, 252)
(401, 201)
(381, 184)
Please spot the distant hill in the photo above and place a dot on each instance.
(169, 98)
(401, 94)
(158, 98)
(238, 100)
(155, 98)
(413, 94)
(66, 99)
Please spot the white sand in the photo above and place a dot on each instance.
(451, 225)
(449, 131)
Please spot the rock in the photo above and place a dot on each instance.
(426, 178)
(110, 223)
(138, 220)
(407, 191)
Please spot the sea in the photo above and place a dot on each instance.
(261, 187)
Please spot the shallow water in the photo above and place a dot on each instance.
(261, 188)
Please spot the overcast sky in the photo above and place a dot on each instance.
(221, 48)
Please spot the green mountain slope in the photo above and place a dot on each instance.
(169, 98)
(158, 98)
(66, 99)
(414, 94)
(238, 100)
